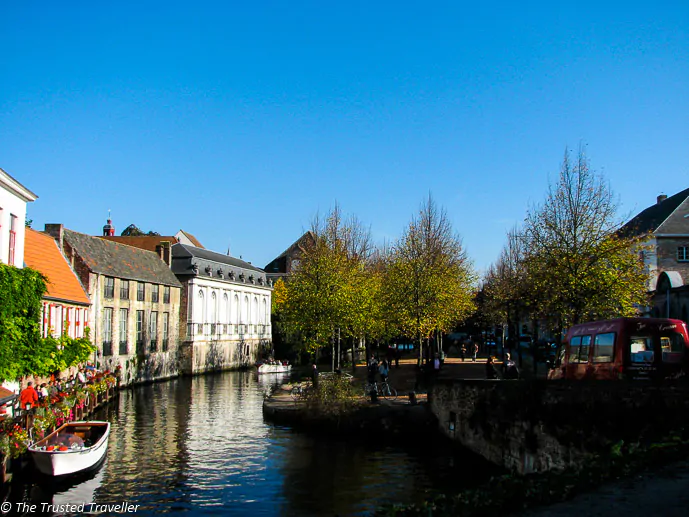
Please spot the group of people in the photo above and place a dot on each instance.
(463, 350)
(382, 368)
(509, 368)
(30, 397)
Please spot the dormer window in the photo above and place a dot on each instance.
(209, 270)
(231, 275)
(260, 280)
(241, 277)
(221, 274)
(195, 268)
(251, 279)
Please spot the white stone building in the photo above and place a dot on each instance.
(13, 199)
(225, 310)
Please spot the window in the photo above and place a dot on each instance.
(140, 291)
(166, 329)
(641, 349)
(139, 332)
(166, 294)
(107, 331)
(672, 347)
(155, 292)
(109, 287)
(124, 289)
(13, 239)
(124, 330)
(683, 254)
(603, 347)
(579, 349)
(153, 331)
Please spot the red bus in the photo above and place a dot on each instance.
(624, 348)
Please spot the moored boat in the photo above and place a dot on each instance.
(72, 448)
(274, 368)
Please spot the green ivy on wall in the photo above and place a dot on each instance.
(23, 351)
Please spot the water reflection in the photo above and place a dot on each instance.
(201, 445)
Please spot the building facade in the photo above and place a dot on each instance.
(664, 228)
(66, 306)
(13, 199)
(225, 310)
(134, 316)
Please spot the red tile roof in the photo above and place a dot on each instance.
(42, 254)
(144, 242)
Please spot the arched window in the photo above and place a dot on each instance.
(264, 312)
(245, 310)
(236, 310)
(254, 311)
(202, 308)
(226, 304)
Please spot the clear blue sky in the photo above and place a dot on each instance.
(239, 121)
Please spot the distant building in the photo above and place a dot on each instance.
(288, 260)
(664, 227)
(13, 199)
(65, 303)
(226, 307)
(135, 298)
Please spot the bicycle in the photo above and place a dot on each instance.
(300, 391)
(382, 389)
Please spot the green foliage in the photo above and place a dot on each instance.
(133, 231)
(335, 396)
(21, 346)
(569, 263)
(429, 282)
(23, 351)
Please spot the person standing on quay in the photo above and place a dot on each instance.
(28, 397)
(475, 351)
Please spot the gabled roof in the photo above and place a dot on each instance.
(42, 254)
(278, 265)
(144, 242)
(649, 220)
(181, 235)
(119, 260)
(185, 251)
(16, 188)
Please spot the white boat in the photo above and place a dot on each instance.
(74, 447)
(274, 368)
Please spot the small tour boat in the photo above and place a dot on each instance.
(274, 368)
(72, 448)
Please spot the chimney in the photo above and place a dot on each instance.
(661, 198)
(163, 251)
(57, 232)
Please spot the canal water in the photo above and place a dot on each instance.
(201, 446)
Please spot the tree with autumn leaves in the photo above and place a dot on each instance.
(569, 262)
(345, 288)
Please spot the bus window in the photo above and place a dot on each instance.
(603, 347)
(574, 346)
(672, 347)
(579, 349)
(641, 349)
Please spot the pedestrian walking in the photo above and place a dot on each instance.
(491, 372)
(475, 351)
(463, 352)
(509, 368)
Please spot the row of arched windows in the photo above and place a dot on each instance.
(231, 308)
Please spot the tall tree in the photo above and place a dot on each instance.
(429, 281)
(582, 266)
(330, 291)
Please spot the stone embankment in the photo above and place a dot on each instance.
(397, 418)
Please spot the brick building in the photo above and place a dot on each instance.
(664, 227)
(134, 317)
(66, 305)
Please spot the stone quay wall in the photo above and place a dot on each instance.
(542, 425)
